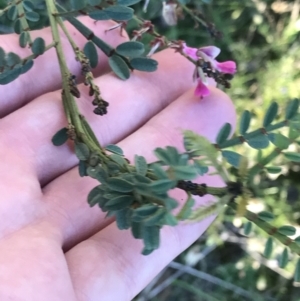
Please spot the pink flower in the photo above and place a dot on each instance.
(201, 89)
(208, 54)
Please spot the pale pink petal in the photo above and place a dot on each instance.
(201, 89)
(226, 67)
(211, 51)
(191, 52)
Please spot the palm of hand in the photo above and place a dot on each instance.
(52, 245)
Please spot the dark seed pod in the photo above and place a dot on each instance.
(100, 111)
(91, 91)
(228, 76)
(105, 103)
(95, 102)
(227, 85)
(75, 92)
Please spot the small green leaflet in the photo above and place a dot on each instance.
(144, 64)
(140, 165)
(91, 53)
(131, 49)
(114, 149)
(119, 67)
(60, 137)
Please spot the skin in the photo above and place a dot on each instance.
(53, 246)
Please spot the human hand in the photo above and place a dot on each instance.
(53, 246)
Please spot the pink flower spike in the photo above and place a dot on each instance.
(191, 52)
(201, 89)
(226, 67)
(211, 51)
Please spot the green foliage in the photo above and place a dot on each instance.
(140, 165)
(95, 195)
(232, 158)
(292, 109)
(114, 149)
(82, 151)
(292, 156)
(60, 137)
(12, 13)
(91, 53)
(131, 49)
(137, 196)
(279, 140)
(119, 66)
(123, 219)
(199, 146)
(128, 2)
(88, 34)
(158, 171)
(259, 142)
(273, 169)
(82, 168)
(28, 5)
(38, 46)
(32, 16)
(116, 12)
(10, 74)
(223, 133)
(24, 39)
(118, 159)
(287, 230)
(120, 202)
(297, 272)
(144, 64)
(186, 210)
(284, 258)
(129, 197)
(245, 122)
(270, 114)
(266, 216)
(268, 248)
(78, 4)
(247, 228)
(120, 185)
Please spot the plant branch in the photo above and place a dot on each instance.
(208, 25)
(262, 131)
(5, 9)
(70, 104)
(271, 230)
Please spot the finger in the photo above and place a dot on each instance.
(45, 74)
(33, 266)
(67, 194)
(114, 259)
(128, 110)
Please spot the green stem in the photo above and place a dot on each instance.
(70, 104)
(190, 12)
(4, 10)
(261, 164)
(66, 109)
(201, 189)
(63, 27)
(88, 34)
(34, 56)
(271, 230)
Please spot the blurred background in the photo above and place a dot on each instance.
(263, 37)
